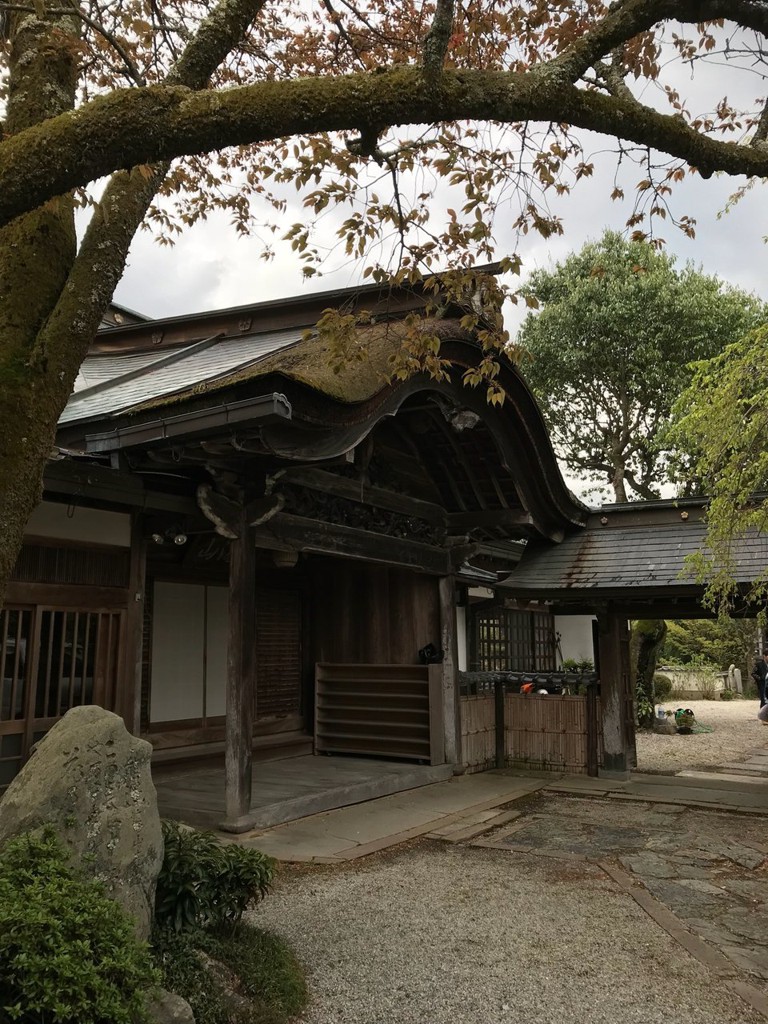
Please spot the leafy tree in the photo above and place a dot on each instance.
(645, 643)
(609, 353)
(722, 423)
(348, 102)
(722, 642)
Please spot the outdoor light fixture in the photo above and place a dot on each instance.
(169, 535)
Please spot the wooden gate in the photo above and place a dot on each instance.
(52, 659)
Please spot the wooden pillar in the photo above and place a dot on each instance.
(241, 683)
(129, 705)
(613, 695)
(449, 644)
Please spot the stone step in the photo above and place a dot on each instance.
(704, 780)
(724, 780)
(748, 767)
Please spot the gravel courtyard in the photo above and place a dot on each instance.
(431, 933)
(736, 733)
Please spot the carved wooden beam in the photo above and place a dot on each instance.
(225, 514)
(490, 518)
(327, 538)
(353, 490)
(261, 510)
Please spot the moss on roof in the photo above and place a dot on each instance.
(309, 362)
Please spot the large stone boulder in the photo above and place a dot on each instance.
(91, 780)
(168, 1008)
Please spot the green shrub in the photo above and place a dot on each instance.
(232, 975)
(662, 687)
(68, 953)
(576, 665)
(204, 883)
(727, 694)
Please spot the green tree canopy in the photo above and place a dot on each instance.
(720, 642)
(721, 427)
(608, 353)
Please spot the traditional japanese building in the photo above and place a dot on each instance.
(242, 550)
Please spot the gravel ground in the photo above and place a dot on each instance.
(736, 734)
(438, 934)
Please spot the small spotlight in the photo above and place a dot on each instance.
(180, 538)
(158, 538)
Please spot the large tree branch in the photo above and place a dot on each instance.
(628, 18)
(125, 202)
(159, 123)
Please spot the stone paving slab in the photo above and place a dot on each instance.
(377, 824)
(703, 875)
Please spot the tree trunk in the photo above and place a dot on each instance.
(36, 254)
(617, 482)
(648, 636)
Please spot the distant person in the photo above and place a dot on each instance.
(759, 673)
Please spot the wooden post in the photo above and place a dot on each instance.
(499, 690)
(590, 710)
(449, 644)
(130, 701)
(241, 663)
(613, 688)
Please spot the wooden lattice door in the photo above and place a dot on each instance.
(52, 659)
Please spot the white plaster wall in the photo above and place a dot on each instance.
(216, 662)
(177, 652)
(575, 636)
(461, 638)
(51, 519)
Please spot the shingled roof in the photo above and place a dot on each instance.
(630, 551)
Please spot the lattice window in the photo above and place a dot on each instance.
(507, 640)
(78, 660)
(544, 643)
(15, 648)
(88, 566)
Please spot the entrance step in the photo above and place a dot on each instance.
(388, 779)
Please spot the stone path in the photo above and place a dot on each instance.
(753, 771)
(709, 869)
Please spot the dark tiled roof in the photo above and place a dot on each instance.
(632, 558)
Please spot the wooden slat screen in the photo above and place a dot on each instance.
(543, 733)
(379, 710)
(278, 653)
(89, 566)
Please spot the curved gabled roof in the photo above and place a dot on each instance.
(491, 469)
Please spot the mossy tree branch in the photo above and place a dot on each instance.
(144, 126)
